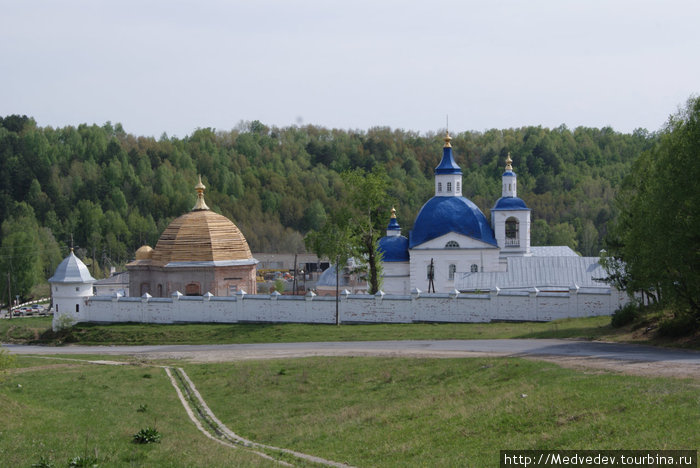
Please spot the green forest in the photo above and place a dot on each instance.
(108, 192)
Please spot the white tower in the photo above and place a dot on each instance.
(510, 217)
(70, 285)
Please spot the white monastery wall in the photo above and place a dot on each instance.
(361, 308)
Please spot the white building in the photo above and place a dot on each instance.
(453, 247)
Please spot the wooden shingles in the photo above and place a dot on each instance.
(201, 235)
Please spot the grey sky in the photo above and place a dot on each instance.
(173, 66)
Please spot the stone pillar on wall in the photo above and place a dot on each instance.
(573, 301)
(494, 306)
(532, 304)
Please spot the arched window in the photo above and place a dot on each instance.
(512, 233)
(160, 290)
(192, 289)
(452, 270)
(452, 245)
(474, 268)
(145, 288)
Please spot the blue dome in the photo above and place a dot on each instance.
(441, 215)
(393, 225)
(394, 248)
(509, 203)
(509, 173)
(447, 164)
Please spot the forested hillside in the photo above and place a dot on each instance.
(113, 191)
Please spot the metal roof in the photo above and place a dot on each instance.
(72, 270)
(559, 272)
(553, 251)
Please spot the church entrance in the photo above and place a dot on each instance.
(192, 289)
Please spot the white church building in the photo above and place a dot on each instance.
(452, 246)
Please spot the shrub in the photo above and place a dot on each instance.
(86, 461)
(43, 463)
(148, 435)
(625, 314)
(7, 360)
(681, 325)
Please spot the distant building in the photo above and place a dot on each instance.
(199, 252)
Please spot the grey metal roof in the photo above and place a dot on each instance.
(553, 251)
(71, 270)
(559, 272)
(116, 279)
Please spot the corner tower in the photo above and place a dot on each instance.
(510, 217)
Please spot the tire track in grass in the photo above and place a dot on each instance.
(197, 408)
(207, 423)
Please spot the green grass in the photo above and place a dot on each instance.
(446, 412)
(378, 412)
(60, 410)
(38, 330)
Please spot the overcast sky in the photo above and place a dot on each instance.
(173, 66)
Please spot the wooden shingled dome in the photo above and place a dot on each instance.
(201, 236)
(198, 236)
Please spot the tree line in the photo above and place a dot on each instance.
(108, 192)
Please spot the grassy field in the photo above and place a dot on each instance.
(59, 410)
(376, 412)
(38, 330)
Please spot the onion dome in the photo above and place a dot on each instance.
(394, 246)
(447, 164)
(72, 270)
(442, 215)
(201, 237)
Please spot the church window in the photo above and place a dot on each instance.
(452, 245)
(452, 271)
(458, 188)
(512, 230)
(77, 288)
(160, 290)
(77, 307)
(474, 268)
(56, 308)
(509, 187)
(439, 186)
(449, 186)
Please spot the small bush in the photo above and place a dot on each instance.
(43, 463)
(680, 325)
(142, 408)
(148, 435)
(625, 315)
(7, 360)
(86, 461)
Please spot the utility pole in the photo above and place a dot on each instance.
(294, 281)
(9, 295)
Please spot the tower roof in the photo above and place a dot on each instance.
(72, 270)
(393, 222)
(447, 164)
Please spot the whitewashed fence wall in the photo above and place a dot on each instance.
(380, 308)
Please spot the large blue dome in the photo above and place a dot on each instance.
(441, 215)
(509, 203)
(393, 248)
